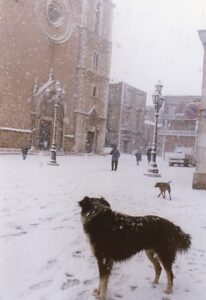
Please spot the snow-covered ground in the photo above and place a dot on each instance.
(44, 254)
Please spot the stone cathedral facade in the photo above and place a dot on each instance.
(47, 44)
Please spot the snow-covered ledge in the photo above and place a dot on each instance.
(15, 129)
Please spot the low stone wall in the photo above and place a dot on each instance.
(14, 139)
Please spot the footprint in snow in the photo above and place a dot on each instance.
(89, 281)
(69, 275)
(65, 220)
(77, 253)
(133, 288)
(13, 234)
(18, 233)
(58, 227)
(40, 285)
(118, 296)
(70, 283)
(33, 224)
(51, 263)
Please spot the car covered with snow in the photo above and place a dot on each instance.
(181, 159)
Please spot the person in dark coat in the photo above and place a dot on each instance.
(115, 158)
(138, 155)
(149, 150)
(24, 151)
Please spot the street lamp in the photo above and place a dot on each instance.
(157, 101)
(57, 95)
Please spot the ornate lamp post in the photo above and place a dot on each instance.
(57, 95)
(157, 101)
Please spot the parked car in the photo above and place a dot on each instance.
(182, 159)
(107, 150)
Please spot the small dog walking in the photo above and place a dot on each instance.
(115, 237)
(163, 187)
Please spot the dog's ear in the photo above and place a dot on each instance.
(104, 201)
(84, 201)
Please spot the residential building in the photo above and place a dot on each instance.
(179, 119)
(125, 118)
(49, 42)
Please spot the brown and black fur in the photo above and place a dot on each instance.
(163, 187)
(115, 237)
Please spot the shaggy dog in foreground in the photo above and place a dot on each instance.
(116, 237)
(163, 187)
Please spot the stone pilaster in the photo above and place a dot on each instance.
(199, 176)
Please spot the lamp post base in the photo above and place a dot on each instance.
(151, 174)
(53, 161)
(153, 171)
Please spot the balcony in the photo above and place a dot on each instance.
(170, 132)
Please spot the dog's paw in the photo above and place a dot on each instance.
(155, 281)
(96, 292)
(168, 291)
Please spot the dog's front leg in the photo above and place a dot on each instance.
(105, 266)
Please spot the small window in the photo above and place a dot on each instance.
(172, 110)
(54, 14)
(94, 91)
(95, 61)
(97, 26)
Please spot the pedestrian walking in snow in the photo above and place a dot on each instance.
(138, 156)
(149, 150)
(115, 157)
(24, 151)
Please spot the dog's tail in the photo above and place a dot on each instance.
(183, 240)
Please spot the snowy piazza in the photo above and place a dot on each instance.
(44, 251)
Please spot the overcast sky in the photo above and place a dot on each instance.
(158, 40)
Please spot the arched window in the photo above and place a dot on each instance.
(95, 61)
(97, 26)
(94, 91)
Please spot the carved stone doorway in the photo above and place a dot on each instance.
(45, 135)
(90, 142)
(43, 103)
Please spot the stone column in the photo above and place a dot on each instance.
(199, 176)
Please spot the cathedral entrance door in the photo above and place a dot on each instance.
(90, 141)
(45, 135)
(125, 146)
